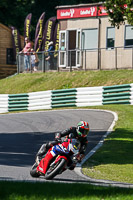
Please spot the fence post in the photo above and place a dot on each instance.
(70, 61)
(116, 58)
(58, 62)
(132, 58)
(30, 64)
(82, 53)
(85, 59)
(18, 61)
(43, 62)
(99, 59)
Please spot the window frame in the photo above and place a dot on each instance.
(10, 57)
(84, 39)
(108, 48)
(129, 46)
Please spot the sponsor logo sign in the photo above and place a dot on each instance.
(56, 39)
(91, 11)
(39, 33)
(102, 11)
(16, 41)
(27, 24)
(48, 32)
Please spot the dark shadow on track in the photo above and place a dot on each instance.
(20, 149)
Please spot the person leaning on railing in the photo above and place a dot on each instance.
(34, 60)
(26, 50)
(50, 55)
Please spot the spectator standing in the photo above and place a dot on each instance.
(34, 60)
(26, 50)
(50, 55)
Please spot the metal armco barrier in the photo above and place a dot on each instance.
(117, 94)
(17, 102)
(39, 100)
(64, 98)
(75, 97)
(89, 96)
(3, 103)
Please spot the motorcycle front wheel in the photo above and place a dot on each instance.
(33, 171)
(55, 168)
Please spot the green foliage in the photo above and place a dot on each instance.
(119, 12)
(113, 161)
(13, 13)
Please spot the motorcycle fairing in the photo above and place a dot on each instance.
(65, 147)
(43, 165)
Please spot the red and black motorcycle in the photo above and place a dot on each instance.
(60, 157)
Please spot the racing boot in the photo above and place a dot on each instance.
(40, 153)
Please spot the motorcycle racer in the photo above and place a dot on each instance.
(80, 133)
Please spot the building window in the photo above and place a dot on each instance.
(10, 59)
(128, 36)
(89, 38)
(110, 37)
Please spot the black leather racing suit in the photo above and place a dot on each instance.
(72, 133)
(68, 133)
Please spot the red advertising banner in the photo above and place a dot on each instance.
(91, 11)
(77, 12)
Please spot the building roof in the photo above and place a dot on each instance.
(9, 29)
(5, 27)
(79, 5)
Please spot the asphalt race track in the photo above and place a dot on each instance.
(22, 134)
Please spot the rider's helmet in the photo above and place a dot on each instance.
(83, 129)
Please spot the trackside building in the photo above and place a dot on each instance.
(7, 61)
(88, 41)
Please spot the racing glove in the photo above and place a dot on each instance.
(57, 136)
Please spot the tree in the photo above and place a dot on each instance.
(119, 11)
(14, 12)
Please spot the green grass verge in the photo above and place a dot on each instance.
(61, 191)
(24, 83)
(114, 160)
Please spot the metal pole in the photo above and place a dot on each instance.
(30, 64)
(100, 58)
(82, 53)
(116, 58)
(85, 59)
(99, 34)
(17, 59)
(70, 61)
(132, 58)
(58, 62)
(43, 62)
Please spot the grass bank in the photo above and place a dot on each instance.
(24, 83)
(114, 160)
(61, 191)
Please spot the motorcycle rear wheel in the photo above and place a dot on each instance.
(55, 169)
(33, 171)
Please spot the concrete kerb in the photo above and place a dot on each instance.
(100, 182)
